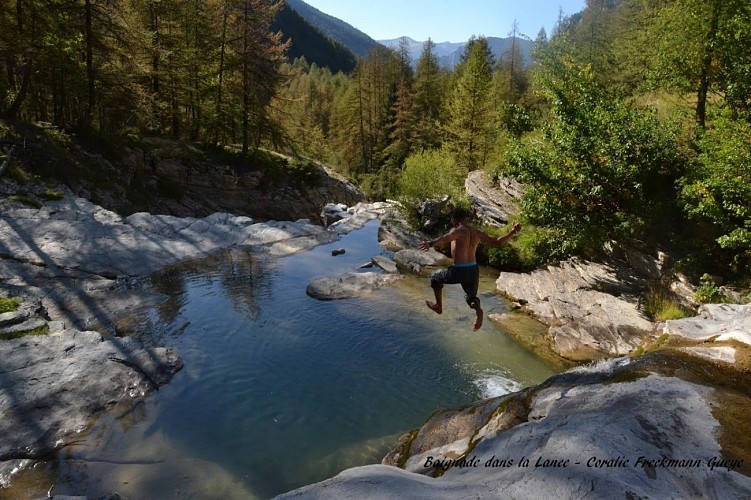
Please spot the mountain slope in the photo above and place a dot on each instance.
(307, 41)
(352, 38)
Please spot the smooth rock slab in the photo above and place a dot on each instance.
(725, 354)
(348, 285)
(724, 321)
(385, 263)
(582, 436)
(51, 386)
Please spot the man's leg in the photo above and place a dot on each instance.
(437, 279)
(475, 304)
(470, 285)
(436, 306)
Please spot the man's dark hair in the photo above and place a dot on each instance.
(460, 214)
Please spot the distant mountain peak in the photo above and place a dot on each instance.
(449, 53)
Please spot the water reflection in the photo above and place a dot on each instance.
(240, 275)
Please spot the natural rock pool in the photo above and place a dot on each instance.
(280, 390)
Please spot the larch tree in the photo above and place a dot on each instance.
(427, 99)
(469, 107)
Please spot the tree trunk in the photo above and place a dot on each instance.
(86, 121)
(701, 97)
(246, 78)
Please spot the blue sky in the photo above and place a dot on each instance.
(447, 20)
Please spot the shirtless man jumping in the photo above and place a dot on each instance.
(465, 271)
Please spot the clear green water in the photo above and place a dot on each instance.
(280, 390)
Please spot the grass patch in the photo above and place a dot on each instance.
(19, 174)
(42, 330)
(51, 195)
(9, 305)
(26, 200)
(661, 304)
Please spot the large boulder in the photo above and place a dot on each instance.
(395, 234)
(719, 329)
(717, 322)
(417, 260)
(591, 312)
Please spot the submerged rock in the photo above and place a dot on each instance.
(53, 384)
(348, 285)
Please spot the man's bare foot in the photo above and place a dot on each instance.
(478, 321)
(434, 307)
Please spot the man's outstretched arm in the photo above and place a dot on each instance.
(452, 235)
(501, 240)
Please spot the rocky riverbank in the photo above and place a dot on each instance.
(656, 427)
(668, 424)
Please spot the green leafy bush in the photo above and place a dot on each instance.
(708, 292)
(717, 189)
(600, 170)
(430, 173)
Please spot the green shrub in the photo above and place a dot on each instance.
(430, 173)
(305, 173)
(601, 169)
(717, 189)
(26, 200)
(19, 174)
(708, 292)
